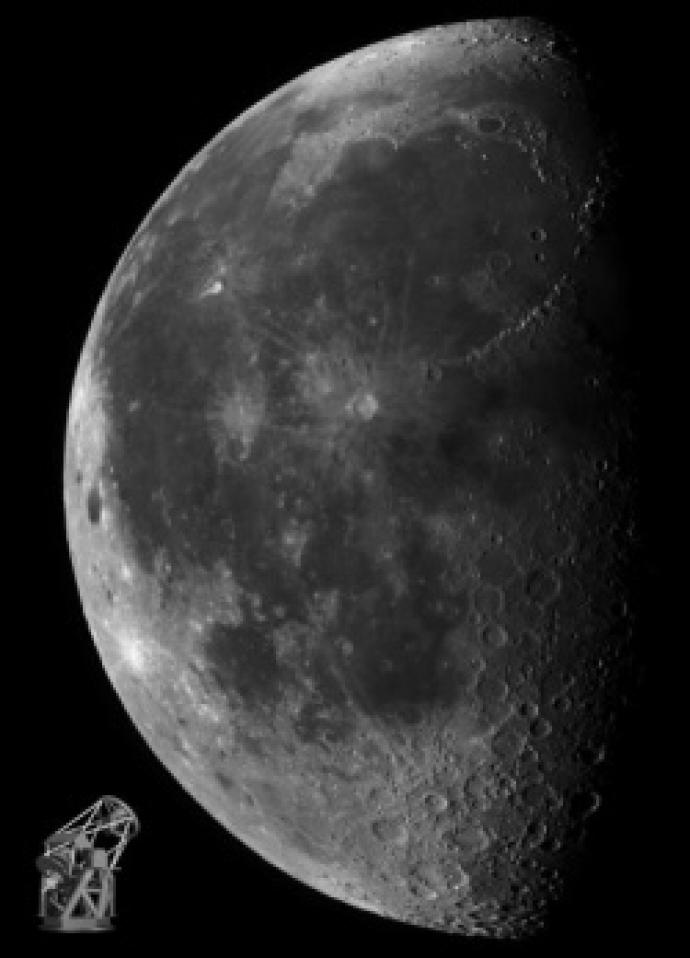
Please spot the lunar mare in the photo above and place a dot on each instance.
(349, 477)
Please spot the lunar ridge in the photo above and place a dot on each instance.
(348, 481)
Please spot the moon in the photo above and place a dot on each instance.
(349, 476)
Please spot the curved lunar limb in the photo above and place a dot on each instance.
(347, 477)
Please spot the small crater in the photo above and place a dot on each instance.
(364, 404)
(530, 763)
(495, 636)
(592, 754)
(535, 833)
(507, 744)
(346, 647)
(538, 235)
(477, 792)
(427, 881)
(541, 586)
(584, 804)
(390, 830)
(470, 841)
(528, 710)
(435, 803)
(552, 844)
(540, 728)
(432, 372)
(561, 704)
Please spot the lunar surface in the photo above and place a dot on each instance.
(349, 476)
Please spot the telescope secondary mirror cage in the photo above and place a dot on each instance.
(78, 867)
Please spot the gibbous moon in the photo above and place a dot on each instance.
(347, 476)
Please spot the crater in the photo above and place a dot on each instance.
(541, 586)
(363, 404)
(393, 830)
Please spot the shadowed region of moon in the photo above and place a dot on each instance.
(349, 476)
